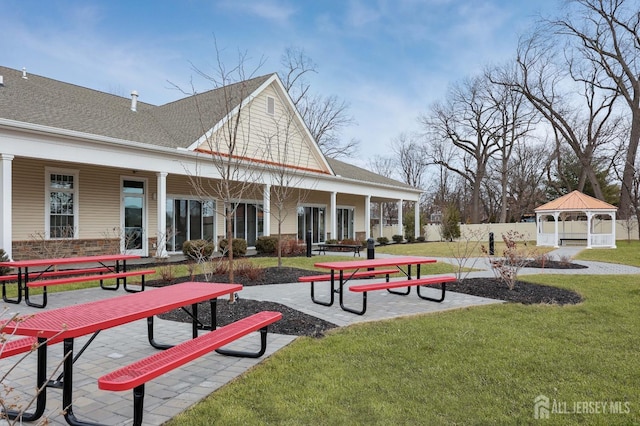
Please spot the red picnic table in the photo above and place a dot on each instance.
(116, 264)
(347, 270)
(65, 324)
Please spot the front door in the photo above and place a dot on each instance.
(134, 239)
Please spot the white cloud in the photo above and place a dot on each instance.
(271, 10)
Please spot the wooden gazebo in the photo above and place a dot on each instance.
(577, 217)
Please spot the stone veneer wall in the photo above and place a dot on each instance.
(33, 249)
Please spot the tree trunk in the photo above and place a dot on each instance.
(232, 296)
(626, 202)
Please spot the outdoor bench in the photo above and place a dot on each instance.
(572, 239)
(349, 275)
(355, 248)
(85, 278)
(134, 376)
(415, 282)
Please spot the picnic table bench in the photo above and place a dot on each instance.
(328, 277)
(348, 268)
(323, 248)
(109, 267)
(48, 327)
(134, 376)
(408, 283)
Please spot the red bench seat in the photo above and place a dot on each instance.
(134, 376)
(60, 273)
(87, 278)
(359, 274)
(346, 277)
(416, 282)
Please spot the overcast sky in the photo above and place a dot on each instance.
(388, 59)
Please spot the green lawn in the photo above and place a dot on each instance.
(626, 253)
(482, 365)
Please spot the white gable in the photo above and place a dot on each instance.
(266, 129)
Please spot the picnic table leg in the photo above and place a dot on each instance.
(346, 308)
(4, 291)
(433, 299)
(117, 269)
(67, 387)
(41, 380)
(195, 326)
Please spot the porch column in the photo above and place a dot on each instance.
(333, 209)
(161, 207)
(266, 207)
(6, 237)
(400, 226)
(367, 217)
(381, 219)
(417, 229)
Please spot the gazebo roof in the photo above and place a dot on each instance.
(576, 201)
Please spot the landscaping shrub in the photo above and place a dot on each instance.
(410, 239)
(421, 239)
(267, 245)
(397, 238)
(244, 268)
(383, 241)
(239, 246)
(331, 241)
(198, 250)
(4, 258)
(292, 247)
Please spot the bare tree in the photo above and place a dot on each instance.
(230, 147)
(580, 114)
(527, 168)
(410, 158)
(605, 34)
(325, 116)
(468, 120)
(515, 124)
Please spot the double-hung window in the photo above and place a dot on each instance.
(61, 203)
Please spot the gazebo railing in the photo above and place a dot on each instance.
(547, 239)
(602, 240)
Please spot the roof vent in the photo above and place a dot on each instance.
(134, 101)
(24, 73)
(1, 81)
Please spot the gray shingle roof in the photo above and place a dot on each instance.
(48, 102)
(44, 101)
(350, 171)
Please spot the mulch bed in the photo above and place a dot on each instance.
(297, 323)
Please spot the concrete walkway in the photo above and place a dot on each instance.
(174, 392)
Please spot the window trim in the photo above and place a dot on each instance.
(75, 173)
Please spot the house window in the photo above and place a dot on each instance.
(271, 105)
(311, 219)
(62, 204)
(344, 222)
(188, 220)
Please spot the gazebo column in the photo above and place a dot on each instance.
(613, 230)
(589, 217)
(556, 216)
